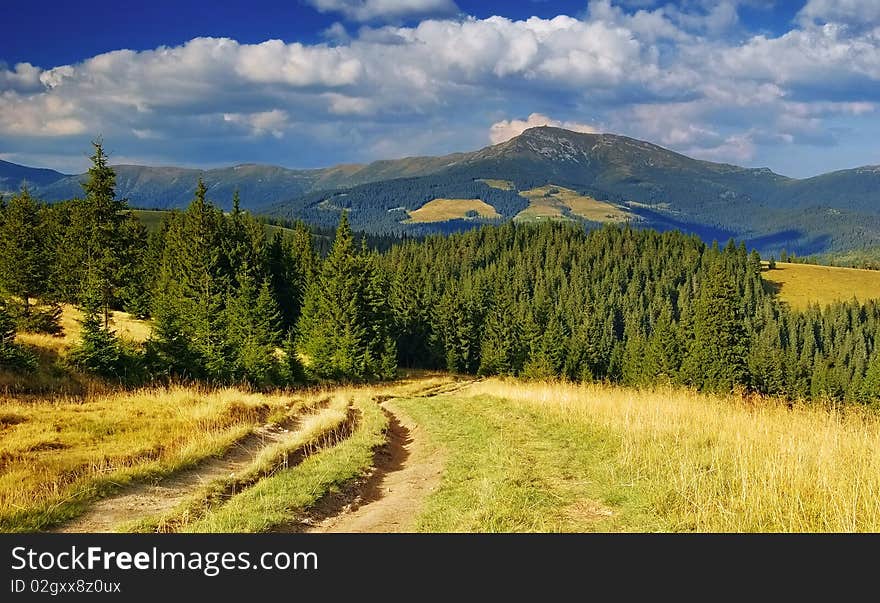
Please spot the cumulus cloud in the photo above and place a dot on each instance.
(386, 10)
(271, 122)
(649, 70)
(509, 128)
(854, 12)
(24, 77)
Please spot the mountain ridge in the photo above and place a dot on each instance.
(667, 189)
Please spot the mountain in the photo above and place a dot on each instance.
(14, 176)
(655, 186)
(662, 188)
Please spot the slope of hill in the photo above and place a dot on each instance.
(14, 176)
(663, 189)
(800, 285)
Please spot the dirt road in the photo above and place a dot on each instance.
(406, 471)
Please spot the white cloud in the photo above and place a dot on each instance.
(854, 12)
(655, 73)
(509, 128)
(387, 10)
(272, 122)
(24, 77)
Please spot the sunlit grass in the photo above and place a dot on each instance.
(58, 455)
(802, 284)
(665, 459)
(282, 498)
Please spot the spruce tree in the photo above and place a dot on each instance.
(252, 332)
(104, 237)
(335, 334)
(23, 254)
(718, 355)
(12, 355)
(99, 350)
(662, 360)
(192, 289)
(501, 350)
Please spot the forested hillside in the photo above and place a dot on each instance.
(666, 190)
(231, 305)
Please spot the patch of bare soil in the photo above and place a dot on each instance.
(405, 472)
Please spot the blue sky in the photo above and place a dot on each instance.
(793, 86)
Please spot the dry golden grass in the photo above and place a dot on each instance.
(126, 326)
(717, 463)
(545, 205)
(441, 210)
(505, 185)
(51, 376)
(802, 284)
(58, 454)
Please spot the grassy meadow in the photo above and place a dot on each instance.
(517, 455)
(802, 284)
(441, 210)
(561, 457)
(58, 455)
(52, 377)
(555, 203)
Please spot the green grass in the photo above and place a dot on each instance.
(277, 500)
(316, 431)
(510, 468)
(533, 456)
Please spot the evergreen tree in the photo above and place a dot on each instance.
(340, 331)
(23, 254)
(870, 385)
(253, 334)
(103, 252)
(717, 358)
(501, 350)
(663, 353)
(99, 351)
(192, 289)
(548, 353)
(12, 355)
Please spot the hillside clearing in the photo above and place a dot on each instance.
(123, 324)
(505, 185)
(558, 203)
(442, 210)
(802, 284)
(52, 377)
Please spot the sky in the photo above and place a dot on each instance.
(789, 85)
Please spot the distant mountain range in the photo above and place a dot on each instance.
(660, 188)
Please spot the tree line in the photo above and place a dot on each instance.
(230, 304)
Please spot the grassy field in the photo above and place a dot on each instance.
(53, 378)
(517, 456)
(58, 455)
(505, 185)
(441, 210)
(561, 457)
(802, 284)
(552, 202)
